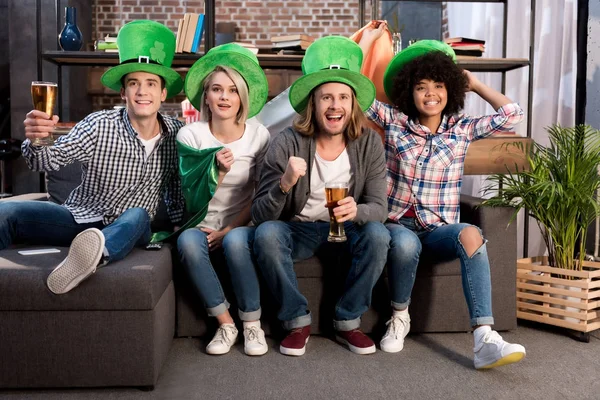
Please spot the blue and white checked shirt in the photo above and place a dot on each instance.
(116, 175)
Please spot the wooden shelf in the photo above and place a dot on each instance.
(480, 64)
(267, 61)
(98, 58)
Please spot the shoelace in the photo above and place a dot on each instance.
(223, 334)
(493, 337)
(397, 323)
(253, 334)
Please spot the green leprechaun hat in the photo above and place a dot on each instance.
(145, 46)
(332, 59)
(238, 58)
(413, 51)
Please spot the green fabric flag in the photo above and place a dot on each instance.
(199, 177)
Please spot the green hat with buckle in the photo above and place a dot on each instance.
(238, 58)
(418, 49)
(145, 46)
(332, 59)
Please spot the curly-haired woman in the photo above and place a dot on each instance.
(426, 140)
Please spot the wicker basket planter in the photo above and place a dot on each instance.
(555, 296)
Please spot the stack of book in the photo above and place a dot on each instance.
(108, 44)
(250, 46)
(298, 42)
(463, 46)
(189, 33)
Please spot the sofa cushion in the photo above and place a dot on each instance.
(134, 283)
(61, 183)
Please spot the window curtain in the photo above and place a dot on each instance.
(555, 70)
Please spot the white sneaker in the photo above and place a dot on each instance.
(223, 340)
(398, 328)
(493, 351)
(254, 341)
(83, 258)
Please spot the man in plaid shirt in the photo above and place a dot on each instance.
(129, 161)
(426, 140)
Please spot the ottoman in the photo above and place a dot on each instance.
(114, 329)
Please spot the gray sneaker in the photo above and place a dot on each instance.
(398, 328)
(83, 258)
(224, 338)
(254, 341)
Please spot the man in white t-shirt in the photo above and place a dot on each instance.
(328, 142)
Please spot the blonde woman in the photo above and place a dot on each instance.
(228, 86)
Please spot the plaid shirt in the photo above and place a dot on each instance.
(425, 170)
(116, 175)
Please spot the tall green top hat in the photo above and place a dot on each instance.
(332, 59)
(145, 46)
(238, 58)
(413, 51)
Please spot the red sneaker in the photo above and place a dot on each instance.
(294, 343)
(356, 341)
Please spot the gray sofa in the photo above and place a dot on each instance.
(437, 305)
(116, 328)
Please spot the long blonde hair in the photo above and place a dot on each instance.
(242, 90)
(305, 123)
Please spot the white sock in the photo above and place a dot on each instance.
(248, 324)
(480, 332)
(397, 313)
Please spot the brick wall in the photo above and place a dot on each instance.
(256, 21)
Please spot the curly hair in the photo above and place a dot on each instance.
(437, 67)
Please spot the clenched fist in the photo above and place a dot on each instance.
(224, 160)
(296, 167)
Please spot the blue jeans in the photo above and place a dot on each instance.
(277, 244)
(47, 223)
(409, 239)
(237, 245)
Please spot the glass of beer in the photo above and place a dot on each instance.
(44, 95)
(335, 191)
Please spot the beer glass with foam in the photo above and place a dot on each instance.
(335, 191)
(44, 95)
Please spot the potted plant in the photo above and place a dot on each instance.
(558, 190)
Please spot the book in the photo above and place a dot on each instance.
(250, 46)
(287, 38)
(110, 38)
(301, 44)
(102, 45)
(178, 37)
(190, 32)
(476, 53)
(460, 39)
(198, 33)
(468, 46)
(186, 22)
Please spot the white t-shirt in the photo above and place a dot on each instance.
(149, 144)
(324, 171)
(237, 188)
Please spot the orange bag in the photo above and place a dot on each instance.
(375, 64)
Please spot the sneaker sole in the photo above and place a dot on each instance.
(293, 352)
(219, 352)
(391, 349)
(357, 350)
(509, 359)
(83, 258)
(255, 352)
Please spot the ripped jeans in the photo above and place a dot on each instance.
(409, 239)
